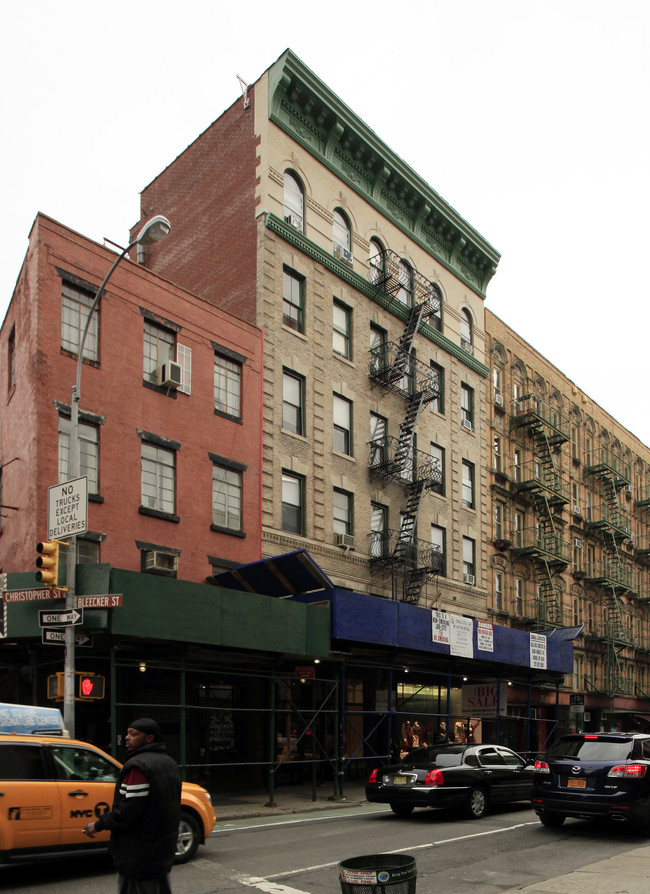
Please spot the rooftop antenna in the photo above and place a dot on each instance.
(244, 90)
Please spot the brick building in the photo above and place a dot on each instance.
(173, 463)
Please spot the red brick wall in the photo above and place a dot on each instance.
(208, 194)
(114, 391)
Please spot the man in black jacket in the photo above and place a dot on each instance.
(144, 819)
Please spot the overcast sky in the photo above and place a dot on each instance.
(529, 118)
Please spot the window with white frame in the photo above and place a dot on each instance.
(227, 385)
(466, 405)
(498, 591)
(293, 300)
(341, 232)
(516, 471)
(342, 512)
(342, 425)
(518, 522)
(438, 402)
(226, 497)
(293, 201)
(405, 279)
(293, 402)
(468, 484)
(498, 521)
(377, 440)
(519, 597)
(158, 348)
(438, 460)
(377, 262)
(342, 330)
(497, 453)
(466, 337)
(158, 478)
(378, 530)
(469, 560)
(88, 459)
(75, 308)
(435, 306)
(293, 496)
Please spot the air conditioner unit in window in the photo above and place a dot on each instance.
(467, 423)
(342, 253)
(157, 561)
(469, 579)
(498, 400)
(576, 509)
(294, 219)
(577, 542)
(169, 374)
(346, 540)
(629, 490)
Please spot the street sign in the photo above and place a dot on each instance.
(67, 509)
(54, 637)
(64, 618)
(110, 600)
(30, 595)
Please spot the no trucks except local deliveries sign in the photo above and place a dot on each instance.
(67, 509)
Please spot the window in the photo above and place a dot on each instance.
(87, 551)
(468, 560)
(293, 300)
(497, 453)
(377, 263)
(342, 330)
(498, 591)
(518, 529)
(466, 339)
(74, 762)
(467, 406)
(227, 386)
(438, 403)
(293, 488)
(293, 402)
(342, 425)
(377, 348)
(405, 278)
(435, 307)
(226, 498)
(293, 201)
(519, 596)
(341, 230)
(75, 308)
(516, 472)
(159, 346)
(438, 538)
(498, 521)
(342, 511)
(438, 458)
(158, 478)
(468, 484)
(378, 530)
(377, 440)
(88, 459)
(11, 359)
(497, 379)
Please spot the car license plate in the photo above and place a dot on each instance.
(576, 783)
(400, 780)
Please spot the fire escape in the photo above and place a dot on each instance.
(393, 367)
(612, 574)
(541, 482)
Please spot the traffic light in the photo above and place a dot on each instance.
(52, 564)
(91, 686)
(55, 686)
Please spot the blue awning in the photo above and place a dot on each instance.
(285, 575)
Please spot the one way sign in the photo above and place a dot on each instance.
(65, 618)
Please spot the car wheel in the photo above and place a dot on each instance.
(476, 803)
(402, 809)
(551, 820)
(188, 838)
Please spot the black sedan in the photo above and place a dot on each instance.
(594, 775)
(465, 777)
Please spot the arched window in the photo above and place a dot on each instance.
(294, 201)
(376, 262)
(435, 306)
(465, 330)
(405, 276)
(341, 230)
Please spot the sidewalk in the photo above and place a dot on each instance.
(628, 873)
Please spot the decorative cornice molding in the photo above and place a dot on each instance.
(306, 109)
(339, 268)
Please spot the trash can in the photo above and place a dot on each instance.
(378, 874)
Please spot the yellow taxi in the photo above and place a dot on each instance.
(51, 786)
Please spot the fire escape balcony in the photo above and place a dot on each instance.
(389, 460)
(642, 500)
(536, 478)
(533, 543)
(400, 372)
(609, 574)
(388, 549)
(605, 464)
(535, 413)
(387, 273)
(610, 521)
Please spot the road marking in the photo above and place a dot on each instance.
(265, 885)
(317, 817)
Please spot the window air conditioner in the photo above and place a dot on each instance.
(629, 490)
(498, 400)
(467, 346)
(343, 254)
(157, 561)
(576, 509)
(346, 540)
(467, 423)
(469, 579)
(169, 375)
(577, 542)
(294, 220)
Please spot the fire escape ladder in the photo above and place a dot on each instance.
(550, 604)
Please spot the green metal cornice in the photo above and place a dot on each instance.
(339, 268)
(306, 109)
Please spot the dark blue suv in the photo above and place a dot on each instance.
(594, 775)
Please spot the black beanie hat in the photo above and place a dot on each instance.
(148, 726)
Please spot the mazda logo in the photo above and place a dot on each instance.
(575, 770)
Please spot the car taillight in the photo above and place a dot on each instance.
(541, 767)
(433, 777)
(373, 776)
(630, 771)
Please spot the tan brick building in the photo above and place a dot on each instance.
(569, 543)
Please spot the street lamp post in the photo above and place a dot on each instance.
(157, 228)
